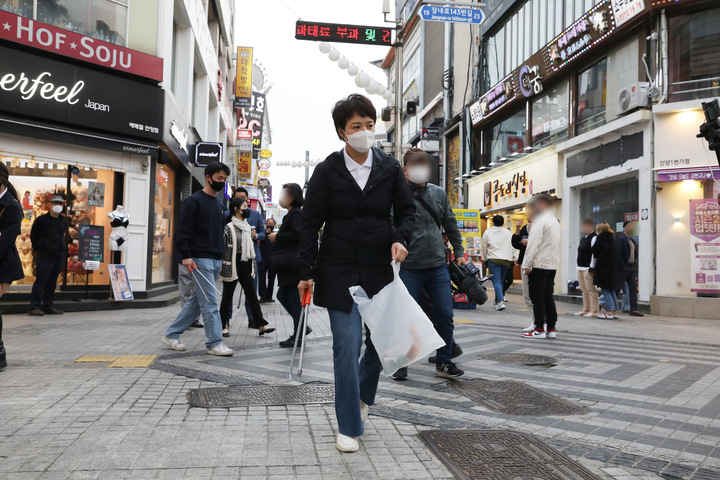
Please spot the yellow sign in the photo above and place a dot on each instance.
(243, 77)
(265, 153)
(469, 223)
(264, 173)
(244, 163)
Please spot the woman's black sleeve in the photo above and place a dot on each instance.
(291, 231)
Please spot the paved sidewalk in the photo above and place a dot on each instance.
(652, 386)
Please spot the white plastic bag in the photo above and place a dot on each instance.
(400, 330)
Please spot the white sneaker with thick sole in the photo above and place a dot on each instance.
(346, 444)
(529, 329)
(221, 351)
(535, 334)
(500, 306)
(173, 344)
(551, 334)
(364, 411)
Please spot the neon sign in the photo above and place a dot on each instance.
(332, 32)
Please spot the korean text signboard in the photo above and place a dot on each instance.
(244, 164)
(253, 118)
(469, 224)
(705, 246)
(452, 14)
(243, 77)
(332, 32)
(91, 243)
(38, 87)
(80, 47)
(582, 35)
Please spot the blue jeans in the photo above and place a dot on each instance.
(611, 301)
(197, 303)
(353, 381)
(498, 272)
(436, 281)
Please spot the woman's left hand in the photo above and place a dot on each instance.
(271, 236)
(399, 252)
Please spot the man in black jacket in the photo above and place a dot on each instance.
(266, 283)
(48, 236)
(627, 268)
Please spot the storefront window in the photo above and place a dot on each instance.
(101, 19)
(506, 141)
(591, 97)
(550, 117)
(610, 202)
(162, 257)
(694, 55)
(89, 202)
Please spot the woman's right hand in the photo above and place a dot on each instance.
(305, 285)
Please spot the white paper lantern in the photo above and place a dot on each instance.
(334, 55)
(372, 89)
(325, 47)
(362, 80)
(381, 89)
(343, 63)
(388, 95)
(353, 70)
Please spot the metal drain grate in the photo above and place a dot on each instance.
(264, 395)
(522, 359)
(515, 398)
(493, 455)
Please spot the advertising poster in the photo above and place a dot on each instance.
(243, 77)
(96, 194)
(244, 163)
(453, 169)
(469, 224)
(91, 243)
(120, 282)
(705, 246)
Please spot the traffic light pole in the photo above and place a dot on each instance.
(398, 98)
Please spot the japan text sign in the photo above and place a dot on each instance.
(452, 14)
(705, 245)
(243, 77)
(332, 32)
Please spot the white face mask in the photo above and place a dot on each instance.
(57, 208)
(361, 141)
(419, 174)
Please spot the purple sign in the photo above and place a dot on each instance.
(705, 245)
(680, 175)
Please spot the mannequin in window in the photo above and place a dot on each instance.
(119, 221)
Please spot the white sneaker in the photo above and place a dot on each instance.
(551, 334)
(173, 344)
(535, 334)
(364, 411)
(530, 328)
(346, 444)
(500, 306)
(221, 351)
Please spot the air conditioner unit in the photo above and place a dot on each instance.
(634, 96)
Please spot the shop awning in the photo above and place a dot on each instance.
(34, 129)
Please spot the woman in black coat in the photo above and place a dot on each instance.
(605, 275)
(11, 216)
(362, 198)
(287, 241)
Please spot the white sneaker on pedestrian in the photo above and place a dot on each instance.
(346, 444)
(221, 351)
(499, 306)
(535, 334)
(529, 328)
(551, 334)
(364, 411)
(173, 344)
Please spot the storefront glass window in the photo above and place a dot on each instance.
(550, 117)
(101, 19)
(162, 257)
(591, 97)
(506, 141)
(694, 55)
(610, 202)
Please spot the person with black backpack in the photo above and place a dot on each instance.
(426, 264)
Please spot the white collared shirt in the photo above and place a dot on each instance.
(4, 192)
(360, 173)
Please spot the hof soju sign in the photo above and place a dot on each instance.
(37, 87)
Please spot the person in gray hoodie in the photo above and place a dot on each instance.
(426, 264)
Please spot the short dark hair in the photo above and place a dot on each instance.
(498, 220)
(214, 167)
(588, 221)
(416, 153)
(236, 204)
(296, 192)
(347, 107)
(241, 190)
(271, 218)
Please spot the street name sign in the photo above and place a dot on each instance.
(473, 16)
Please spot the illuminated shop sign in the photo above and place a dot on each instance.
(499, 96)
(332, 32)
(530, 80)
(514, 187)
(582, 35)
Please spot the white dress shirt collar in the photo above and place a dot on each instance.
(360, 173)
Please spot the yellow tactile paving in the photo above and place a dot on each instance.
(97, 358)
(131, 361)
(464, 321)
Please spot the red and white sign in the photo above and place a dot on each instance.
(244, 134)
(70, 44)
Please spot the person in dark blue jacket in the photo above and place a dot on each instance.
(11, 216)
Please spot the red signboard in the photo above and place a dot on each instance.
(244, 134)
(70, 44)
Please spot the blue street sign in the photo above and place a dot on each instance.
(452, 14)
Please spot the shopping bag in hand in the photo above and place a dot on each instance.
(400, 330)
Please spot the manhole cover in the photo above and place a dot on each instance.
(493, 455)
(522, 359)
(515, 398)
(226, 397)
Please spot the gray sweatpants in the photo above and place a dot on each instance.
(185, 285)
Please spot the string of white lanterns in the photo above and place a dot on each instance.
(297, 164)
(362, 79)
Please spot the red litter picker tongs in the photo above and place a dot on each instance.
(300, 334)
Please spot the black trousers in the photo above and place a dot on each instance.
(289, 298)
(266, 280)
(245, 279)
(541, 284)
(509, 279)
(43, 290)
(629, 277)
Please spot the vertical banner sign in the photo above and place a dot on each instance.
(244, 163)
(705, 246)
(469, 224)
(243, 77)
(253, 118)
(452, 170)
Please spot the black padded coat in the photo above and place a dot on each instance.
(11, 216)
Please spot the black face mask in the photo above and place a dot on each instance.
(245, 213)
(217, 186)
(270, 227)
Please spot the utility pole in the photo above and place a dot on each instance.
(398, 91)
(307, 168)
